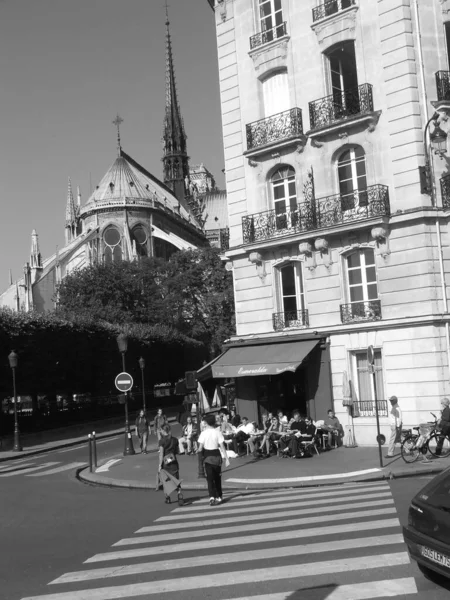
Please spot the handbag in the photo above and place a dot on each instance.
(169, 458)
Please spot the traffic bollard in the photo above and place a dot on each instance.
(90, 452)
(94, 447)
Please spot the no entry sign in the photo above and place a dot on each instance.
(124, 382)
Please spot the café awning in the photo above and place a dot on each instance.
(262, 359)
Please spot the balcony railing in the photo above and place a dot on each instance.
(279, 127)
(443, 85)
(331, 7)
(264, 37)
(294, 318)
(341, 105)
(445, 191)
(323, 213)
(355, 312)
(366, 408)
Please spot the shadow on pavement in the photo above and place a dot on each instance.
(319, 592)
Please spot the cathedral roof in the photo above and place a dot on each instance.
(127, 181)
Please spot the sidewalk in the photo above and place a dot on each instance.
(342, 465)
(45, 441)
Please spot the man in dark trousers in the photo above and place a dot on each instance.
(142, 427)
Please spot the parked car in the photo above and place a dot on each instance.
(427, 534)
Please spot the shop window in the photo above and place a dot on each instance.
(352, 179)
(284, 196)
(271, 19)
(112, 245)
(140, 238)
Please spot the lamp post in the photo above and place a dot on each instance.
(122, 343)
(142, 366)
(13, 362)
(437, 142)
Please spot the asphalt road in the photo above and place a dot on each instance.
(53, 527)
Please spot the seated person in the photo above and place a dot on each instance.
(244, 433)
(267, 421)
(332, 426)
(283, 420)
(273, 433)
(189, 438)
(235, 419)
(289, 443)
(226, 428)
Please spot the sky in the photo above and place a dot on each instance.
(67, 67)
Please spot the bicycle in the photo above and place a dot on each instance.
(426, 439)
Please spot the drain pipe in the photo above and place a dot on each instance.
(430, 166)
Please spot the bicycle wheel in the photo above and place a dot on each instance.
(433, 445)
(408, 449)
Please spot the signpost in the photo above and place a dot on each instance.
(191, 385)
(371, 369)
(124, 383)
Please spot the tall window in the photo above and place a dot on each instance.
(361, 276)
(352, 178)
(343, 80)
(292, 294)
(140, 238)
(112, 245)
(284, 197)
(276, 93)
(271, 19)
(364, 382)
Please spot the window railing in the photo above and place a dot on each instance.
(268, 35)
(341, 105)
(331, 7)
(293, 318)
(276, 128)
(321, 214)
(443, 85)
(445, 191)
(366, 408)
(355, 312)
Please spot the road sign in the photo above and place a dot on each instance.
(124, 382)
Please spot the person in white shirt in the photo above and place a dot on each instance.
(244, 433)
(212, 447)
(395, 420)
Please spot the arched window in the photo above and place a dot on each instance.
(140, 238)
(352, 178)
(112, 245)
(291, 297)
(284, 196)
(362, 288)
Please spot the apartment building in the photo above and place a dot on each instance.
(338, 209)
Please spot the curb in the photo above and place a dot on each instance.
(94, 479)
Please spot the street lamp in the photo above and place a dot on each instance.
(122, 343)
(438, 144)
(142, 366)
(13, 362)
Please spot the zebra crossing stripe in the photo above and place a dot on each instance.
(202, 582)
(261, 538)
(15, 466)
(29, 470)
(66, 467)
(228, 558)
(268, 508)
(354, 591)
(264, 500)
(218, 520)
(306, 478)
(277, 524)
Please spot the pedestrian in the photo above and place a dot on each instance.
(168, 463)
(395, 420)
(160, 421)
(212, 447)
(142, 427)
(444, 424)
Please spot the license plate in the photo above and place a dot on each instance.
(436, 557)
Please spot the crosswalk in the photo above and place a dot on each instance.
(35, 469)
(333, 543)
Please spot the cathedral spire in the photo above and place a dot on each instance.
(71, 214)
(176, 160)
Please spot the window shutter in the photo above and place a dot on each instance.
(276, 94)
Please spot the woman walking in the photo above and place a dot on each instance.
(211, 445)
(169, 469)
(160, 421)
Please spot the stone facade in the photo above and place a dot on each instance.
(356, 86)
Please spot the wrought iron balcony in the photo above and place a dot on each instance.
(279, 127)
(445, 191)
(361, 311)
(341, 105)
(366, 408)
(264, 37)
(294, 318)
(319, 214)
(358, 205)
(331, 7)
(443, 85)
